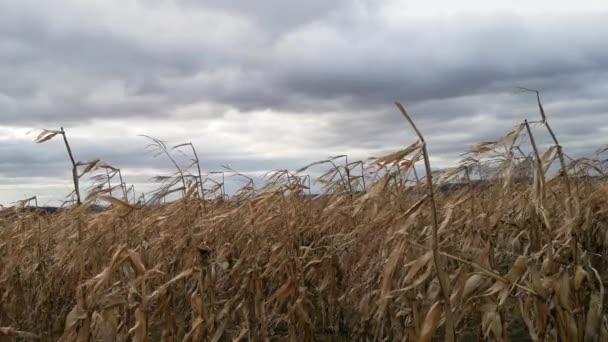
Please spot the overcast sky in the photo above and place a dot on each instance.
(261, 85)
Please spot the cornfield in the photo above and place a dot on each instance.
(498, 247)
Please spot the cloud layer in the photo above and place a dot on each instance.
(279, 84)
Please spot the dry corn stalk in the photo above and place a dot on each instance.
(487, 248)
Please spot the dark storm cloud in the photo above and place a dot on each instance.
(438, 60)
(314, 60)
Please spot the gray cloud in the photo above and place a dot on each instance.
(330, 70)
(315, 62)
(273, 15)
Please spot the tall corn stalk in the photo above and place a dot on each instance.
(47, 135)
(442, 276)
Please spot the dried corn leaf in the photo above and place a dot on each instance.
(430, 324)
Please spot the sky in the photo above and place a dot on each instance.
(263, 85)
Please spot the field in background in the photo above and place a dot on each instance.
(498, 247)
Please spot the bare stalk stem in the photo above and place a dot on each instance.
(109, 182)
(363, 177)
(468, 176)
(198, 169)
(560, 153)
(74, 167)
(123, 186)
(539, 163)
(564, 175)
(450, 332)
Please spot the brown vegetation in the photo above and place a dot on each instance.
(380, 257)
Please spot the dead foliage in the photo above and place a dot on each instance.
(516, 253)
